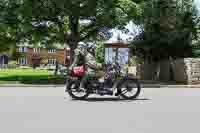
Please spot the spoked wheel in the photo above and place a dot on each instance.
(76, 92)
(130, 89)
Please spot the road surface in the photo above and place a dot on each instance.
(50, 110)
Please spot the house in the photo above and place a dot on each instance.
(35, 56)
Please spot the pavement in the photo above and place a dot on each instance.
(50, 110)
(143, 85)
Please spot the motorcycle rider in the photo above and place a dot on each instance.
(85, 54)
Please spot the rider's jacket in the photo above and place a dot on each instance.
(82, 56)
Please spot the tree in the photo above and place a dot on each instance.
(168, 28)
(50, 21)
(8, 27)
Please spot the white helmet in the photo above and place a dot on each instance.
(82, 47)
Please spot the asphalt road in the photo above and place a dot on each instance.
(49, 110)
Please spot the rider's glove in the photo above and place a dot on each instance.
(70, 68)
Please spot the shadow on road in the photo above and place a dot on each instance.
(112, 100)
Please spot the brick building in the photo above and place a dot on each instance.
(37, 56)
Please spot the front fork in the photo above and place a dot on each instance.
(117, 84)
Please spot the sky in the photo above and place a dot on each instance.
(133, 31)
(197, 2)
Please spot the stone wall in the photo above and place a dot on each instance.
(187, 70)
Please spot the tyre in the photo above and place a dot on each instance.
(74, 90)
(129, 89)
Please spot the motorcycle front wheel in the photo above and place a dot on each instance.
(130, 89)
(74, 90)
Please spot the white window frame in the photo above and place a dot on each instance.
(51, 51)
(23, 61)
(36, 50)
(51, 61)
(22, 49)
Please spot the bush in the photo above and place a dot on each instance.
(134, 60)
(13, 62)
(23, 74)
(25, 67)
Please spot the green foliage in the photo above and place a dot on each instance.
(48, 21)
(26, 74)
(196, 52)
(58, 21)
(196, 39)
(12, 62)
(22, 74)
(134, 60)
(100, 54)
(168, 26)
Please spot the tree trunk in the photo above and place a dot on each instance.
(56, 70)
(12, 52)
(172, 69)
(71, 55)
(72, 38)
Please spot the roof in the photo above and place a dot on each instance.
(53, 46)
(117, 44)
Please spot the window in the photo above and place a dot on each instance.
(51, 50)
(108, 55)
(123, 56)
(52, 61)
(36, 50)
(22, 61)
(22, 49)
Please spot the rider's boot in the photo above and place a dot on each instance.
(118, 92)
(82, 83)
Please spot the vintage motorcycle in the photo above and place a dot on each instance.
(114, 83)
